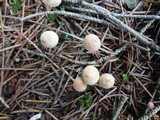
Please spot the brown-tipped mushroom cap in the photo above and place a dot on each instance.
(79, 85)
(91, 43)
(106, 81)
(52, 3)
(90, 75)
(49, 39)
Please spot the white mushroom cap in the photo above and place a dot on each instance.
(106, 81)
(90, 75)
(79, 85)
(150, 105)
(52, 3)
(49, 39)
(91, 43)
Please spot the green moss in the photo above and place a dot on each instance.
(52, 17)
(68, 38)
(86, 100)
(16, 5)
(125, 78)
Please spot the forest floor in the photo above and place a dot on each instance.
(37, 80)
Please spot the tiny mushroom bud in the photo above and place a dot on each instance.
(106, 81)
(90, 75)
(52, 3)
(150, 105)
(79, 85)
(91, 43)
(49, 39)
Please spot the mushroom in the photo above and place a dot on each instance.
(49, 39)
(79, 85)
(106, 81)
(90, 75)
(52, 3)
(150, 105)
(91, 43)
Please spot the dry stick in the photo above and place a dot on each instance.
(69, 14)
(107, 14)
(136, 16)
(10, 47)
(102, 59)
(3, 57)
(81, 9)
(30, 110)
(155, 17)
(150, 113)
(119, 107)
(20, 69)
(53, 116)
(148, 24)
(4, 118)
(3, 102)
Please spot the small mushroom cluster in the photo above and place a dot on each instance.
(91, 76)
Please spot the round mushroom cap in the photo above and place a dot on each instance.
(106, 81)
(49, 39)
(91, 43)
(52, 3)
(79, 85)
(150, 105)
(90, 75)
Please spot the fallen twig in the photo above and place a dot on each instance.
(119, 107)
(124, 15)
(150, 113)
(69, 14)
(4, 103)
(102, 59)
(148, 24)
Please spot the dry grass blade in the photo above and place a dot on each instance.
(4, 103)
